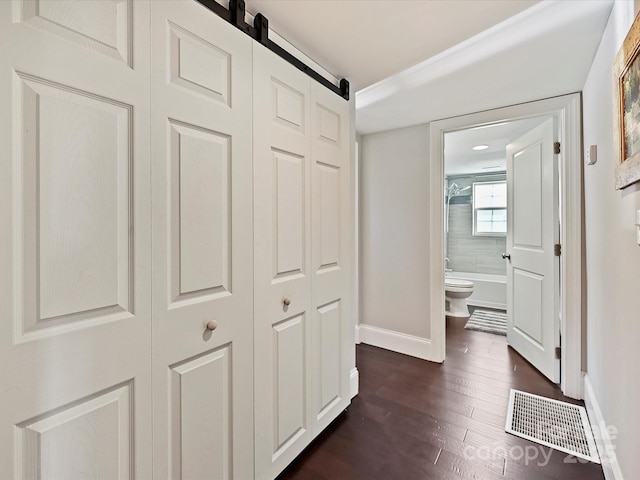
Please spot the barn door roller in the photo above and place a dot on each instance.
(259, 31)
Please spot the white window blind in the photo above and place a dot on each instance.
(490, 208)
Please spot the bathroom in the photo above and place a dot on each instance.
(474, 253)
(476, 228)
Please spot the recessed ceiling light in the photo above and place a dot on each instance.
(480, 147)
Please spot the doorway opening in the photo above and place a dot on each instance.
(479, 236)
(563, 113)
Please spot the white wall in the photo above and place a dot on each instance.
(612, 260)
(394, 227)
(394, 241)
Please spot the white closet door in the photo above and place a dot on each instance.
(283, 266)
(330, 246)
(202, 244)
(75, 321)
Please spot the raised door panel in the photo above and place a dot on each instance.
(527, 204)
(282, 193)
(329, 340)
(201, 444)
(104, 26)
(198, 65)
(76, 257)
(527, 305)
(75, 297)
(202, 244)
(329, 222)
(288, 106)
(289, 374)
(201, 205)
(91, 439)
(289, 229)
(330, 253)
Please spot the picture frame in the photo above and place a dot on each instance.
(626, 108)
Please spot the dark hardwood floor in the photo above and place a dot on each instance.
(415, 419)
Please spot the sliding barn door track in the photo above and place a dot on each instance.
(259, 31)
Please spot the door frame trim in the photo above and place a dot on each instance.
(568, 109)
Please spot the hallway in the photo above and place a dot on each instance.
(419, 420)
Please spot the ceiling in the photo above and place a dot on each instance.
(368, 40)
(543, 52)
(413, 61)
(460, 158)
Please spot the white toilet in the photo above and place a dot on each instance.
(456, 292)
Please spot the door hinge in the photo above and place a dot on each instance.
(556, 147)
(558, 352)
(557, 249)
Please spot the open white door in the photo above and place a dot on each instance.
(532, 267)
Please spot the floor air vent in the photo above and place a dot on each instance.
(549, 422)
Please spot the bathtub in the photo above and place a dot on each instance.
(488, 290)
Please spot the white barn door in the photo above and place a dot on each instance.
(331, 255)
(302, 256)
(282, 212)
(202, 245)
(75, 319)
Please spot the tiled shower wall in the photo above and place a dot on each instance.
(467, 253)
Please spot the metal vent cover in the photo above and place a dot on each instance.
(559, 425)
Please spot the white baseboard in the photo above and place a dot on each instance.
(482, 303)
(606, 447)
(354, 382)
(357, 334)
(396, 341)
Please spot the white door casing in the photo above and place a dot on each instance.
(201, 132)
(568, 112)
(533, 230)
(75, 309)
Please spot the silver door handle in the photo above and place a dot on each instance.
(506, 256)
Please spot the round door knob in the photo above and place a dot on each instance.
(212, 325)
(506, 255)
(286, 302)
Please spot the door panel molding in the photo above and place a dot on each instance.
(104, 27)
(80, 434)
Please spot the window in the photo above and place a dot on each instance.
(490, 209)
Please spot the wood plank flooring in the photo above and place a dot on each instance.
(420, 420)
